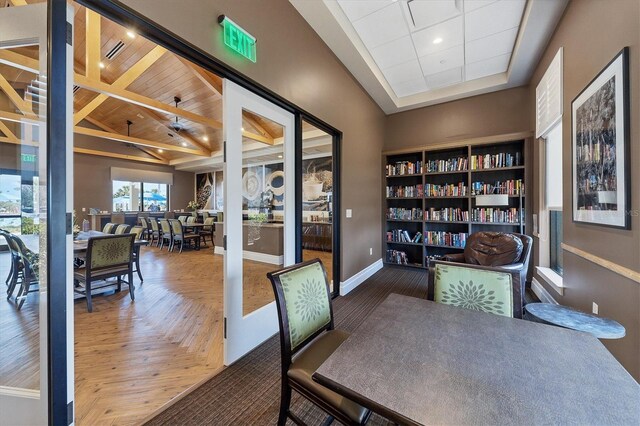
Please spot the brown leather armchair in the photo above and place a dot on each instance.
(500, 251)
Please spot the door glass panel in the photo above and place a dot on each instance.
(263, 204)
(317, 196)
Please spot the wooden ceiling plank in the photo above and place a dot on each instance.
(259, 138)
(17, 60)
(92, 45)
(137, 141)
(14, 97)
(4, 139)
(117, 155)
(122, 82)
(258, 126)
(18, 118)
(18, 2)
(8, 133)
(214, 83)
(160, 120)
(134, 98)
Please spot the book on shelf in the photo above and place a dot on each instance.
(442, 238)
(403, 236)
(405, 191)
(495, 161)
(510, 187)
(397, 256)
(404, 168)
(448, 214)
(455, 164)
(401, 213)
(445, 190)
(496, 215)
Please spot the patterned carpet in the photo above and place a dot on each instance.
(248, 392)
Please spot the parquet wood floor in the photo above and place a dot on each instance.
(133, 358)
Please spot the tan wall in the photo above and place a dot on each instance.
(592, 32)
(506, 111)
(295, 63)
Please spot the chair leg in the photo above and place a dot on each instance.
(161, 243)
(138, 267)
(285, 402)
(131, 294)
(181, 245)
(87, 291)
(119, 284)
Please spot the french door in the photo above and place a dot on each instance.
(259, 216)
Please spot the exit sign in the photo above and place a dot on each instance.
(238, 39)
(28, 158)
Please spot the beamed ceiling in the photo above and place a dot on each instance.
(137, 84)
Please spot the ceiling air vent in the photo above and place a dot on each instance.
(76, 88)
(115, 50)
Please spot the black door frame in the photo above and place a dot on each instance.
(127, 17)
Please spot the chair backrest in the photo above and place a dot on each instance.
(182, 219)
(154, 224)
(208, 223)
(205, 215)
(194, 213)
(191, 219)
(137, 231)
(473, 287)
(303, 300)
(23, 253)
(166, 226)
(527, 243)
(110, 251)
(220, 216)
(143, 222)
(493, 249)
(176, 227)
(122, 229)
(109, 228)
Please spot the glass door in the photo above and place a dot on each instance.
(259, 222)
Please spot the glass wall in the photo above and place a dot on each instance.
(140, 196)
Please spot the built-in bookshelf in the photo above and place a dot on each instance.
(433, 198)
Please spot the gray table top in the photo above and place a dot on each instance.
(418, 362)
(563, 316)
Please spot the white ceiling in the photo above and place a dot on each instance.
(412, 53)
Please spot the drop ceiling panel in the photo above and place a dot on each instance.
(427, 13)
(493, 45)
(382, 26)
(444, 78)
(410, 87)
(442, 61)
(394, 53)
(450, 32)
(403, 72)
(471, 5)
(496, 17)
(487, 67)
(357, 9)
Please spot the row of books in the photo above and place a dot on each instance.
(440, 238)
(495, 215)
(455, 164)
(397, 256)
(489, 161)
(446, 190)
(510, 187)
(401, 213)
(448, 214)
(404, 168)
(400, 191)
(596, 152)
(402, 236)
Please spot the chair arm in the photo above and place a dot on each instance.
(454, 257)
(514, 267)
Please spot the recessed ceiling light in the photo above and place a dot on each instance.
(131, 34)
(101, 65)
(279, 156)
(437, 40)
(205, 138)
(242, 128)
(184, 144)
(160, 151)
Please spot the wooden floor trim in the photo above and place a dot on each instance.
(607, 264)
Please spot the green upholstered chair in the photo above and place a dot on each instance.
(108, 256)
(205, 215)
(307, 339)
(166, 233)
(122, 229)
(207, 230)
(26, 265)
(480, 288)
(191, 219)
(146, 226)
(183, 219)
(155, 233)
(181, 237)
(138, 232)
(109, 228)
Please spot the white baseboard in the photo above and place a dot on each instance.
(258, 257)
(357, 279)
(542, 294)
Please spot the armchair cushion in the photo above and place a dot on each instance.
(309, 360)
(473, 288)
(492, 249)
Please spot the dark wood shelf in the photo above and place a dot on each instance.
(510, 196)
(447, 221)
(455, 172)
(444, 197)
(442, 246)
(498, 169)
(403, 220)
(497, 223)
(401, 176)
(404, 243)
(404, 198)
(410, 265)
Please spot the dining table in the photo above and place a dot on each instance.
(418, 362)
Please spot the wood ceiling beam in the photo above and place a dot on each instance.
(18, 2)
(264, 132)
(17, 60)
(8, 133)
(92, 44)
(117, 155)
(162, 121)
(259, 138)
(4, 139)
(14, 97)
(138, 141)
(122, 82)
(110, 90)
(213, 82)
(18, 118)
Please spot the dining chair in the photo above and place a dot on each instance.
(480, 288)
(167, 234)
(191, 219)
(155, 233)
(144, 223)
(307, 339)
(108, 256)
(179, 236)
(29, 270)
(207, 230)
(6, 235)
(137, 231)
(122, 229)
(182, 219)
(16, 266)
(205, 215)
(109, 228)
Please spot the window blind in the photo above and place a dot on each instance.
(133, 175)
(553, 163)
(549, 96)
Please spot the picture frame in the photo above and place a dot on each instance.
(600, 147)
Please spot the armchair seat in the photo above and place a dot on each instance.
(308, 361)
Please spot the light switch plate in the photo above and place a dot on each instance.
(349, 213)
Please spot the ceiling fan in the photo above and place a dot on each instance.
(176, 125)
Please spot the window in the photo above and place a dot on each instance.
(140, 196)
(553, 195)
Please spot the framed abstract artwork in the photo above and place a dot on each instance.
(600, 140)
